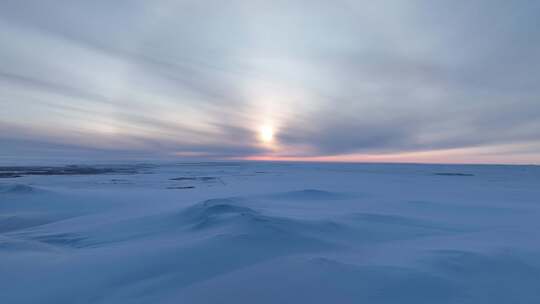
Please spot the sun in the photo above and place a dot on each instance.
(266, 134)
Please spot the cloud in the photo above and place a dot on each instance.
(334, 78)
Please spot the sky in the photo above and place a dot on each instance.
(342, 80)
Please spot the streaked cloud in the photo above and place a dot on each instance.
(356, 80)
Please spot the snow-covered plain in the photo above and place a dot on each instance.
(273, 233)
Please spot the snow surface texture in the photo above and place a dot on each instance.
(272, 233)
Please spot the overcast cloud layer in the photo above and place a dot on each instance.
(347, 78)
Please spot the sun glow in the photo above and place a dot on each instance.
(266, 134)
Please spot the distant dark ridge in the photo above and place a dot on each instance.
(209, 164)
(181, 187)
(453, 174)
(9, 175)
(18, 171)
(202, 178)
